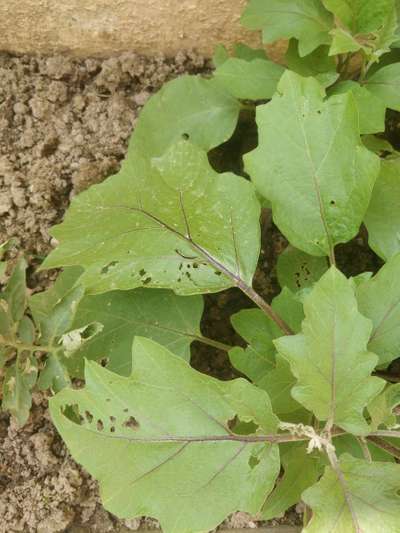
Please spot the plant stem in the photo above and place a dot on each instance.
(211, 342)
(385, 433)
(364, 447)
(386, 446)
(262, 304)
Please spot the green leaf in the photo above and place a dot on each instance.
(15, 292)
(385, 84)
(381, 407)
(278, 383)
(371, 110)
(169, 424)
(306, 20)
(174, 223)
(334, 340)
(379, 300)
(188, 106)
(170, 320)
(220, 55)
(18, 382)
(369, 502)
(311, 165)
(383, 216)
(360, 16)
(55, 375)
(318, 64)
(297, 270)
(350, 444)
(249, 80)
(343, 42)
(242, 51)
(301, 470)
(259, 331)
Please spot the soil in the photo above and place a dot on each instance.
(64, 125)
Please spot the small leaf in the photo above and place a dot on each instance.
(170, 320)
(385, 84)
(278, 383)
(318, 64)
(371, 110)
(297, 270)
(189, 106)
(383, 216)
(242, 51)
(330, 358)
(54, 376)
(259, 331)
(306, 20)
(370, 501)
(18, 382)
(249, 80)
(379, 300)
(15, 292)
(343, 42)
(220, 55)
(311, 165)
(53, 310)
(173, 224)
(301, 470)
(381, 407)
(169, 424)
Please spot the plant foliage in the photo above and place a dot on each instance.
(314, 416)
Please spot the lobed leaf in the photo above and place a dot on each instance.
(330, 358)
(366, 501)
(385, 85)
(173, 223)
(379, 300)
(249, 80)
(306, 20)
(160, 315)
(311, 165)
(170, 424)
(188, 106)
(383, 215)
(318, 64)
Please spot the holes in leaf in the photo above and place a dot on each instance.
(239, 427)
(185, 136)
(142, 272)
(104, 362)
(146, 281)
(217, 273)
(126, 410)
(112, 429)
(195, 265)
(131, 423)
(89, 416)
(253, 461)
(332, 202)
(112, 419)
(99, 425)
(107, 267)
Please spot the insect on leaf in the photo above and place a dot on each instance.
(170, 424)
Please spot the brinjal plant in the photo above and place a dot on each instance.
(314, 417)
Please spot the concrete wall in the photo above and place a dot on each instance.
(104, 27)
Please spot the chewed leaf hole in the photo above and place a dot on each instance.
(239, 427)
(185, 136)
(131, 423)
(104, 362)
(107, 267)
(253, 461)
(99, 425)
(89, 416)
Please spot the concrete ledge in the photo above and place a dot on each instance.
(106, 27)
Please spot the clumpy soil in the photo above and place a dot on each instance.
(64, 125)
